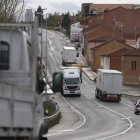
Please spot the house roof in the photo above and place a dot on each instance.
(102, 33)
(103, 7)
(123, 50)
(107, 43)
(123, 20)
(135, 52)
(105, 38)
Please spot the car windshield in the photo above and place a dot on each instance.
(71, 81)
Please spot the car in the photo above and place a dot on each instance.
(137, 107)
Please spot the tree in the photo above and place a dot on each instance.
(66, 22)
(10, 10)
(39, 13)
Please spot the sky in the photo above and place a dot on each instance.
(73, 6)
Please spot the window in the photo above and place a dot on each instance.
(133, 65)
(4, 55)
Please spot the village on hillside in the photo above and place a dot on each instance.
(111, 38)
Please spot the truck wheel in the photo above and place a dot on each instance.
(136, 112)
(101, 97)
(62, 92)
(96, 94)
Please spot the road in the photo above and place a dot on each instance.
(100, 120)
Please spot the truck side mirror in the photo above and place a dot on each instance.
(57, 81)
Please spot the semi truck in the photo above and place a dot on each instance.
(21, 107)
(108, 85)
(71, 81)
(69, 55)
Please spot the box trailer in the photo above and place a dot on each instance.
(69, 55)
(109, 85)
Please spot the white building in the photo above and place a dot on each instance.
(28, 15)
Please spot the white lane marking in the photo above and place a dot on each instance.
(79, 113)
(53, 51)
(125, 103)
(73, 129)
(119, 114)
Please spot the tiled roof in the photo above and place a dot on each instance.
(123, 50)
(133, 53)
(105, 38)
(101, 32)
(109, 42)
(102, 7)
(123, 20)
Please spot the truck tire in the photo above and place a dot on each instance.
(101, 97)
(62, 92)
(96, 94)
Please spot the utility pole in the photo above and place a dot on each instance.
(46, 51)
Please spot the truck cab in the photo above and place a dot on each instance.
(71, 81)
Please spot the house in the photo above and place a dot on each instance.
(131, 67)
(98, 36)
(126, 21)
(108, 48)
(112, 60)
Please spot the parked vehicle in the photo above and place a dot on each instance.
(137, 107)
(108, 85)
(69, 55)
(21, 111)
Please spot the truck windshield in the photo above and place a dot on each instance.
(71, 81)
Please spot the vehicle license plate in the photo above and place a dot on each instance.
(111, 96)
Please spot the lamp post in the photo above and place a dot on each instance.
(46, 49)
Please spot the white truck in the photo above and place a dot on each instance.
(21, 110)
(71, 81)
(109, 85)
(69, 55)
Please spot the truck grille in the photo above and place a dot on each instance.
(72, 87)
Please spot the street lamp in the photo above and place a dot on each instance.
(46, 47)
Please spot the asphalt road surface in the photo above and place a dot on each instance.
(100, 120)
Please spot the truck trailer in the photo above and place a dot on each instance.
(109, 85)
(69, 55)
(21, 110)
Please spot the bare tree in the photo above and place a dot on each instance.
(11, 9)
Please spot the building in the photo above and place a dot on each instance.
(98, 36)
(108, 48)
(131, 67)
(29, 16)
(112, 60)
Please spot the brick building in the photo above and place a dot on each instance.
(107, 47)
(131, 67)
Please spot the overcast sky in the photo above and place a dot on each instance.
(63, 6)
